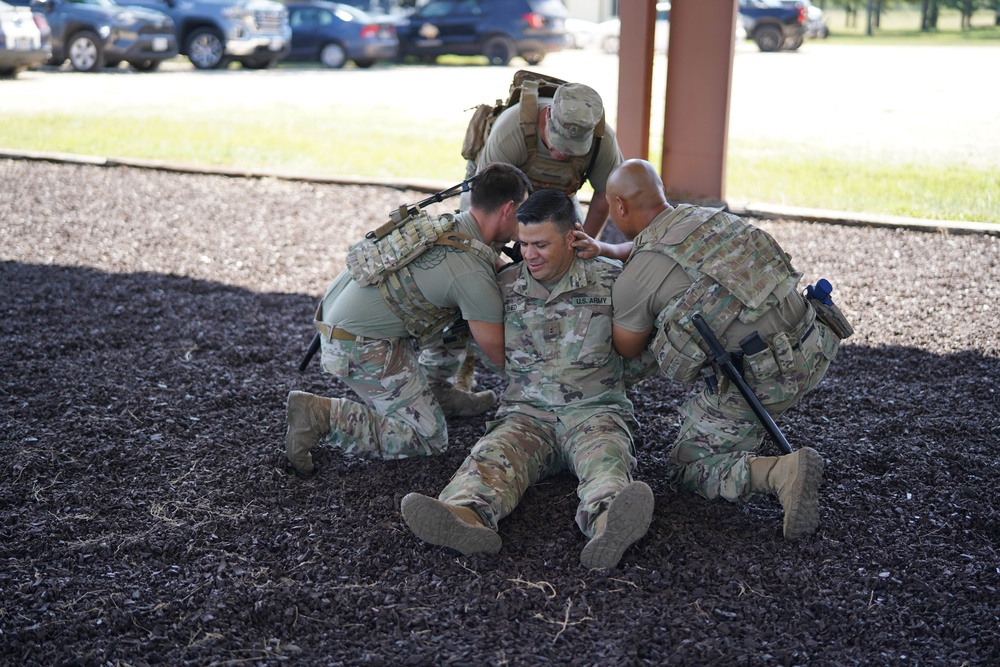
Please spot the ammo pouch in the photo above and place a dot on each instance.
(678, 356)
(832, 317)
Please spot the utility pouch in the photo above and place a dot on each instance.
(781, 348)
(831, 316)
(475, 133)
(757, 358)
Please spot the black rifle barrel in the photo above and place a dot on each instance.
(724, 361)
(310, 353)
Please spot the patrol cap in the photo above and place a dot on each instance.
(576, 110)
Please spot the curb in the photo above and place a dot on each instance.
(746, 209)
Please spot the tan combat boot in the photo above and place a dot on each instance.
(454, 526)
(794, 479)
(457, 403)
(465, 379)
(308, 418)
(625, 521)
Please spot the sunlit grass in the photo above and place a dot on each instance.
(383, 145)
(902, 26)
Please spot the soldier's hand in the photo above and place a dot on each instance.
(583, 244)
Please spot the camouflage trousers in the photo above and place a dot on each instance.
(441, 362)
(519, 451)
(719, 432)
(399, 416)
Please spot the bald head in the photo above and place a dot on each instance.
(635, 196)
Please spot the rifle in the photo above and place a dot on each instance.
(724, 361)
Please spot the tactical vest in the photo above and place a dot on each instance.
(545, 172)
(383, 261)
(736, 271)
(525, 90)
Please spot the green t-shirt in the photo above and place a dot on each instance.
(447, 277)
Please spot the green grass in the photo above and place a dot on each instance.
(902, 26)
(918, 191)
(388, 148)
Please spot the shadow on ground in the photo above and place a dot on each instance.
(146, 516)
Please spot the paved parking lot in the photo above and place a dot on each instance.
(923, 104)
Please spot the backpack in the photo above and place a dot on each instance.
(486, 114)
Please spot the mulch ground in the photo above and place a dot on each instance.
(151, 325)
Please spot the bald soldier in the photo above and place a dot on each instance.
(686, 260)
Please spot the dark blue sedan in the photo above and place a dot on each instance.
(334, 33)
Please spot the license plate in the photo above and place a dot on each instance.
(22, 44)
(160, 43)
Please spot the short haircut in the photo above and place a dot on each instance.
(548, 205)
(498, 183)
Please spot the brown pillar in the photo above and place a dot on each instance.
(696, 109)
(635, 76)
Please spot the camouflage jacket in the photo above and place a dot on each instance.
(559, 358)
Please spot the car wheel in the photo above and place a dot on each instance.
(333, 55)
(533, 58)
(364, 63)
(204, 49)
(146, 65)
(258, 63)
(499, 50)
(86, 52)
(610, 45)
(768, 38)
(10, 72)
(792, 44)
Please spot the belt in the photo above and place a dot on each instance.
(334, 333)
(804, 336)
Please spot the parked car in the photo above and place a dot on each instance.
(774, 24)
(334, 33)
(608, 31)
(580, 33)
(25, 40)
(497, 29)
(816, 27)
(213, 33)
(94, 34)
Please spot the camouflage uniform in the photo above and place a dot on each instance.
(691, 260)
(565, 407)
(399, 416)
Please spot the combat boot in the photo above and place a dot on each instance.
(625, 521)
(465, 379)
(794, 479)
(308, 418)
(454, 526)
(457, 403)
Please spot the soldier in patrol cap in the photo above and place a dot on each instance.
(559, 142)
(371, 347)
(564, 408)
(552, 140)
(689, 259)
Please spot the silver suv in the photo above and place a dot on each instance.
(213, 33)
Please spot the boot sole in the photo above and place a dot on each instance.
(629, 516)
(802, 516)
(433, 522)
